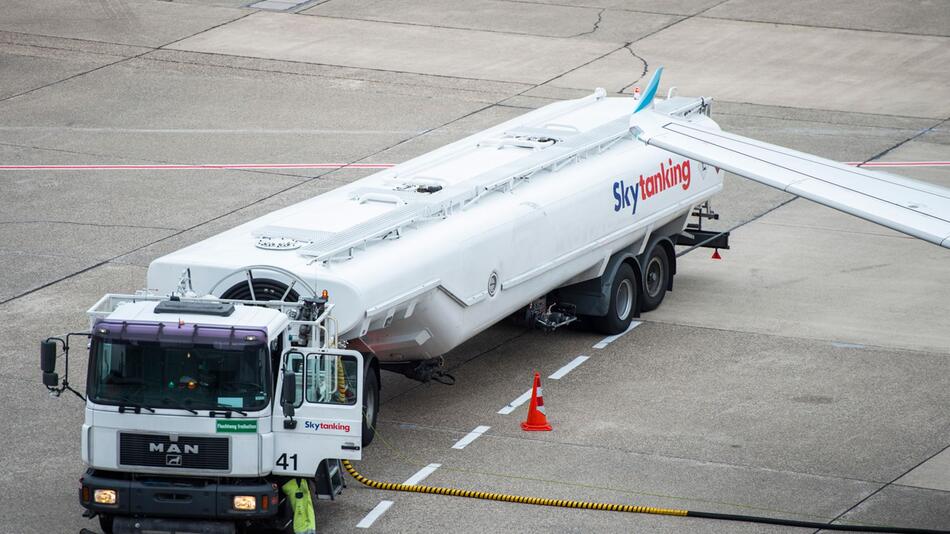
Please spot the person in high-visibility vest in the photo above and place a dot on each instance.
(298, 493)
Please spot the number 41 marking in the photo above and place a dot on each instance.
(283, 463)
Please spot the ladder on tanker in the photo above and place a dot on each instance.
(553, 148)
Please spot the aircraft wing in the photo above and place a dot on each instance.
(915, 208)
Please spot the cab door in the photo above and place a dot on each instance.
(327, 422)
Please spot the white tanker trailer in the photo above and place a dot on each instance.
(421, 257)
(225, 395)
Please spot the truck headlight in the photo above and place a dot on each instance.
(105, 496)
(245, 502)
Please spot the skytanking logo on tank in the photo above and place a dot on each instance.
(627, 196)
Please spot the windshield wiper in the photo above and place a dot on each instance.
(128, 406)
(225, 411)
(178, 406)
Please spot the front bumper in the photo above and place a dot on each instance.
(180, 497)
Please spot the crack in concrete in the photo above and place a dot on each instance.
(646, 68)
(600, 18)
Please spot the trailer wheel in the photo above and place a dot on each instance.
(370, 404)
(623, 302)
(656, 278)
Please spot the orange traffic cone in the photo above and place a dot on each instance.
(716, 255)
(536, 419)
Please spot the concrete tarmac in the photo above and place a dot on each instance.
(805, 375)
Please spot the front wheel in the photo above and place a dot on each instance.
(623, 302)
(370, 404)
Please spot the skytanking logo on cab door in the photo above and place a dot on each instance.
(627, 196)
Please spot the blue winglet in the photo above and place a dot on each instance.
(647, 97)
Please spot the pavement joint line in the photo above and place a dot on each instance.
(461, 28)
(122, 60)
(560, 373)
(886, 484)
(374, 514)
(921, 133)
(304, 181)
(333, 65)
(148, 57)
(470, 437)
(844, 345)
(602, 344)
(880, 348)
(628, 491)
(511, 406)
(820, 27)
(697, 461)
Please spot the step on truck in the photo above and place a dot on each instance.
(224, 397)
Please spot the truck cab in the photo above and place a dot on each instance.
(199, 410)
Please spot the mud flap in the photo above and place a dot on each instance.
(298, 493)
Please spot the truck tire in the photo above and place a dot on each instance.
(370, 404)
(623, 302)
(656, 278)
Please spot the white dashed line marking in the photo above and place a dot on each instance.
(472, 436)
(610, 339)
(422, 474)
(559, 374)
(374, 514)
(515, 403)
(381, 508)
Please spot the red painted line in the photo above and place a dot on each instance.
(900, 164)
(225, 166)
(196, 167)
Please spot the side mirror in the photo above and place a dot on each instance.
(48, 356)
(288, 395)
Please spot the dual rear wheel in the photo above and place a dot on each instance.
(627, 290)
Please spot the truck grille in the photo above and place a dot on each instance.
(187, 452)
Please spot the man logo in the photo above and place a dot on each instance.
(173, 460)
(173, 448)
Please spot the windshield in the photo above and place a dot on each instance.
(158, 374)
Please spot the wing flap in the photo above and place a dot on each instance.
(915, 208)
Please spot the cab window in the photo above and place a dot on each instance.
(331, 379)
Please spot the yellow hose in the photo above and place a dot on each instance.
(488, 496)
(585, 505)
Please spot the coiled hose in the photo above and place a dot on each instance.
(586, 505)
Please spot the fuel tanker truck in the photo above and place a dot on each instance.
(223, 397)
